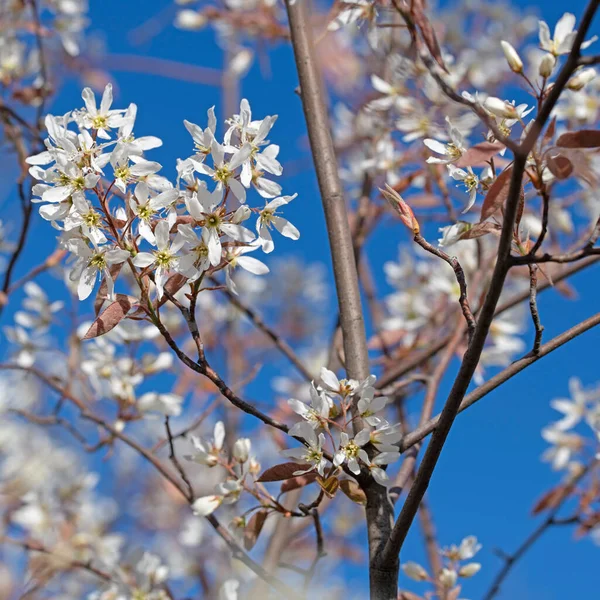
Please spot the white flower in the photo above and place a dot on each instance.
(573, 408)
(207, 452)
(350, 451)
(368, 405)
(206, 505)
(450, 152)
(145, 208)
(101, 119)
(375, 466)
(164, 258)
(235, 258)
(564, 36)
(194, 260)
(316, 414)
(223, 171)
(453, 233)
(93, 262)
(268, 218)
(203, 138)
(469, 180)
(203, 206)
(166, 404)
(564, 445)
(43, 310)
(313, 454)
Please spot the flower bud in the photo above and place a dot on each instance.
(547, 65)
(469, 569)
(241, 450)
(415, 571)
(190, 20)
(512, 57)
(448, 578)
(254, 467)
(581, 79)
(397, 203)
(501, 108)
(241, 214)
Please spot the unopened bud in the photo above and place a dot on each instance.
(547, 65)
(241, 214)
(399, 205)
(501, 108)
(190, 20)
(448, 578)
(581, 79)
(469, 569)
(512, 57)
(254, 466)
(415, 571)
(241, 450)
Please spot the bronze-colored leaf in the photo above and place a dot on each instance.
(329, 486)
(281, 472)
(479, 155)
(497, 194)
(427, 32)
(102, 294)
(549, 500)
(111, 316)
(254, 527)
(560, 166)
(353, 491)
(585, 138)
(298, 482)
(481, 229)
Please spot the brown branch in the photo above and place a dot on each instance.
(533, 307)
(510, 560)
(503, 264)
(560, 340)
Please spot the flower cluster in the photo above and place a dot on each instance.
(453, 570)
(189, 228)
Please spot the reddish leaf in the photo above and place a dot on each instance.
(586, 138)
(298, 482)
(254, 527)
(353, 491)
(497, 194)
(111, 316)
(480, 229)
(560, 166)
(281, 472)
(549, 500)
(550, 131)
(479, 154)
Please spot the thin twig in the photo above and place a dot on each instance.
(533, 307)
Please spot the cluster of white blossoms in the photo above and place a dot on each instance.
(328, 423)
(113, 208)
(19, 52)
(455, 567)
(566, 435)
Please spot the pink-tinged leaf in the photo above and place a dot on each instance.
(497, 194)
(296, 483)
(586, 138)
(481, 229)
(254, 527)
(171, 287)
(550, 131)
(111, 316)
(353, 491)
(560, 166)
(479, 155)
(102, 294)
(281, 472)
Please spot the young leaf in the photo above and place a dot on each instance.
(586, 138)
(111, 316)
(281, 472)
(254, 527)
(298, 482)
(497, 194)
(479, 154)
(560, 166)
(353, 491)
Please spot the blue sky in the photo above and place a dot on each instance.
(490, 473)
